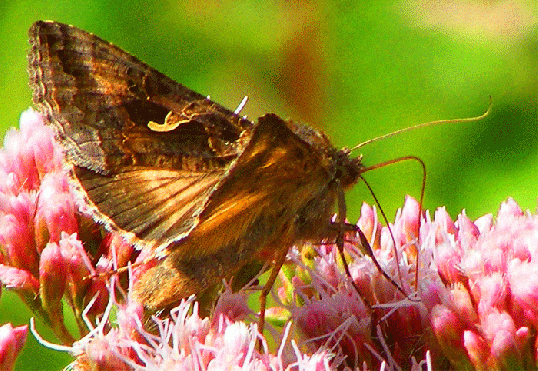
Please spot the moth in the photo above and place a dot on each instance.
(204, 188)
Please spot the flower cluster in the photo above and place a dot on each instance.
(488, 320)
(462, 295)
(184, 341)
(474, 306)
(42, 254)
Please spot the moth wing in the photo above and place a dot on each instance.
(151, 207)
(279, 174)
(137, 139)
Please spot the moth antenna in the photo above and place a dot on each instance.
(241, 105)
(437, 122)
(423, 187)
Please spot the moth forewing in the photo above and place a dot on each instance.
(103, 104)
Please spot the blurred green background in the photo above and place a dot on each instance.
(353, 69)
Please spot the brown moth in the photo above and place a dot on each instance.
(206, 189)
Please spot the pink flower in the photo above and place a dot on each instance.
(232, 306)
(476, 304)
(29, 156)
(19, 280)
(43, 237)
(17, 236)
(12, 340)
(183, 341)
(56, 210)
(52, 271)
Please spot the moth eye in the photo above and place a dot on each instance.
(338, 173)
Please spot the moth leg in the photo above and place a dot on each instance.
(340, 226)
(348, 227)
(281, 258)
(341, 229)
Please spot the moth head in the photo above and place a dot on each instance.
(348, 169)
